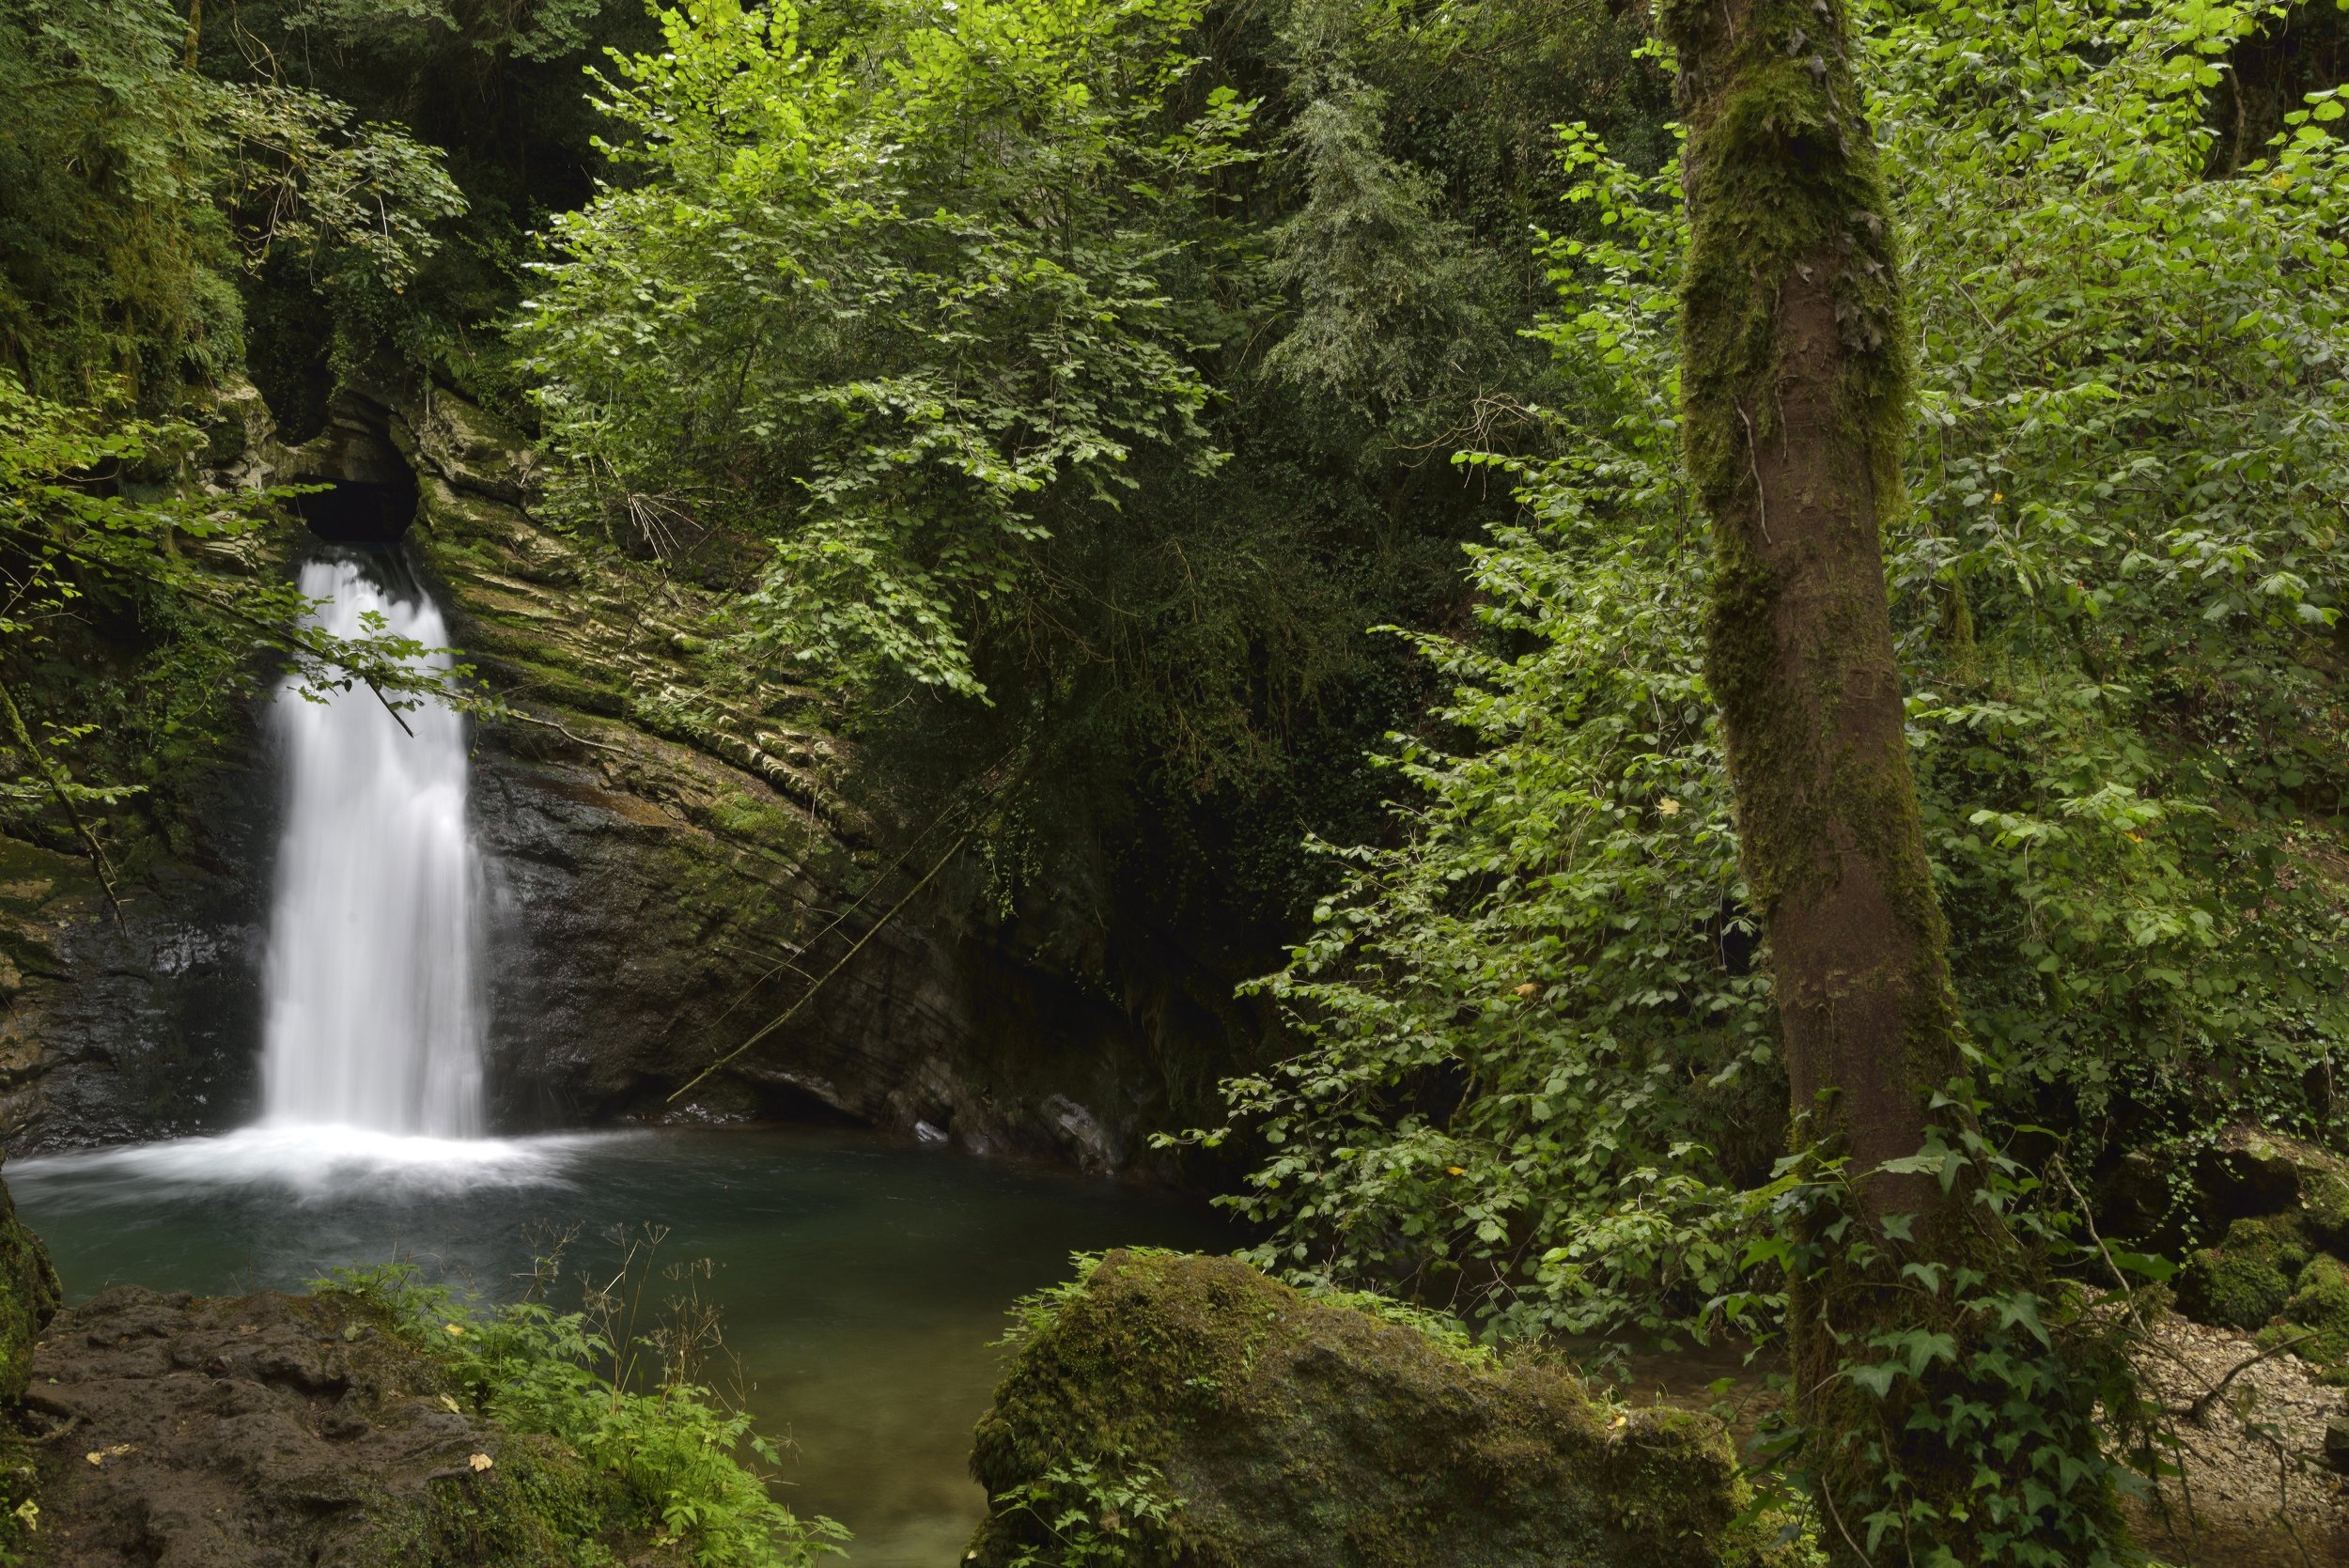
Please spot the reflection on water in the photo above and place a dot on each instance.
(862, 1280)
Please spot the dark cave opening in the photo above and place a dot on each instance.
(363, 512)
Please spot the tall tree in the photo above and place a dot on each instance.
(1795, 402)
(1796, 398)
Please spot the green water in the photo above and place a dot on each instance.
(861, 1279)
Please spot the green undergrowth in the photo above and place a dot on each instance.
(29, 1295)
(624, 1396)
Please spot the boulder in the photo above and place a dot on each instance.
(1175, 1409)
(2316, 1318)
(2253, 1172)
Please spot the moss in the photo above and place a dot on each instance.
(536, 1507)
(2253, 1170)
(541, 682)
(759, 823)
(2319, 1308)
(1275, 1427)
(29, 1297)
(2324, 1208)
(2245, 1280)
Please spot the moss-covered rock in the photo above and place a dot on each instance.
(1193, 1411)
(2319, 1309)
(28, 1299)
(2245, 1280)
(2253, 1172)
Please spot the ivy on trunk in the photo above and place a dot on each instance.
(1794, 398)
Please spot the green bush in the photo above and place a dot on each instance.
(1535, 1053)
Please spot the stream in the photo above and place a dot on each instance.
(862, 1280)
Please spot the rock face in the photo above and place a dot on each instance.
(281, 1430)
(675, 869)
(1190, 1410)
(672, 868)
(110, 1035)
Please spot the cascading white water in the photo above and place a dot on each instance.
(375, 1011)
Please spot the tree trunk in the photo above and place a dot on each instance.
(1795, 401)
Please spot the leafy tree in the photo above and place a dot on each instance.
(1795, 401)
(495, 89)
(925, 364)
(141, 193)
(2113, 586)
(1104, 414)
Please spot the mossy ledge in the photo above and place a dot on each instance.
(1201, 1413)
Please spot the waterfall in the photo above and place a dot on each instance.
(374, 1012)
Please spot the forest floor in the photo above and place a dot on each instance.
(2256, 1489)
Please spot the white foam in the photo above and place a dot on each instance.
(305, 1162)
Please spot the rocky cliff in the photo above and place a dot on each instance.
(674, 868)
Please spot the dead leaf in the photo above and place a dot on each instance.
(99, 1456)
(451, 1405)
(482, 1462)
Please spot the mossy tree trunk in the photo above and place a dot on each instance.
(1795, 402)
(1796, 397)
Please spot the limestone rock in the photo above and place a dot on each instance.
(1192, 1410)
(2316, 1318)
(2244, 1281)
